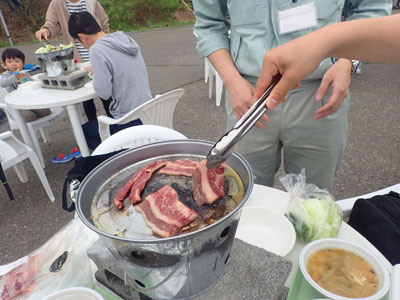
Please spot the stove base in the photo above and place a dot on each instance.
(263, 275)
(70, 81)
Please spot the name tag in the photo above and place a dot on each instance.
(297, 18)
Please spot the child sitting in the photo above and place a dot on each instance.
(13, 61)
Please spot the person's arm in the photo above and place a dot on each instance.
(367, 39)
(102, 77)
(338, 76)
(6, 81)
(51, 26)
(102, 17)
(212, 31)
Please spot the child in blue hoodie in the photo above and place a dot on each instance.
(13, 61)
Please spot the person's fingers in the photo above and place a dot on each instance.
(323, 87)
(335, 101)
(38, 35)
(279, 92)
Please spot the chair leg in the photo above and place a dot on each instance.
(218, 89)
(42, 176)
(45, 135)
(37, 149)
(210, 85)
(21, 173)
(206, 70)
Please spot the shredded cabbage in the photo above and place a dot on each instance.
(51, 48)
(316, 218)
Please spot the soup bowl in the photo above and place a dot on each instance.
(375, 262)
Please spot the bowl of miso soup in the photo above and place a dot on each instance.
(342, 270)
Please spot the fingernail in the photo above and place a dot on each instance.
(272, 103)
(318, 97)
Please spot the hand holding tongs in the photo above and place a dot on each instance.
(224, 147)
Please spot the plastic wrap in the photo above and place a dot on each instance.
(313, 211)
(60, 263)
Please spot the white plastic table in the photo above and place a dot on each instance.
(40, 98)
(278, 201)
(261, 196)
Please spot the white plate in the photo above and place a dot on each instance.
(30, 85)
(266, 229)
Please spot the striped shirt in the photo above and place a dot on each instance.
(77, 8)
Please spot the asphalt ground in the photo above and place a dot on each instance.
(371, 161)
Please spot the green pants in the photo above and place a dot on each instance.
(316, 145)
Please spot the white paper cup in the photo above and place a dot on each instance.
(375, 262)
(75, 293)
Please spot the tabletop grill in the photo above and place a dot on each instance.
(60, 72)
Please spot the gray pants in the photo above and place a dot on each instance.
(316, 145)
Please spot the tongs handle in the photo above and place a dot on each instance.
(224, 147)
(46, 42)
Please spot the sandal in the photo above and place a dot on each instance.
(62, 158)
(75, 152)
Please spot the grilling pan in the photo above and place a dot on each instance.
(177, 267)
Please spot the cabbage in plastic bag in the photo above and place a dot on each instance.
(316, 217)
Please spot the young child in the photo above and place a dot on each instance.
(13, 61)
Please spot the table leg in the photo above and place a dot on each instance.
(19, 118)
(73, 112)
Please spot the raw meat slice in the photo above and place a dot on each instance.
(164, 213)
(137, 183)
(208, 184)
(183, 167)
(20, 281)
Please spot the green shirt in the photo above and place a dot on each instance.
(253, 28)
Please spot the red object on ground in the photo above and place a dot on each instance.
(164, 213)
(208, 184)
(183, 167)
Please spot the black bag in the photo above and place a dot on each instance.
(83, 166)
(378, 220)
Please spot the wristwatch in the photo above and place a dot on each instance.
(356, 67)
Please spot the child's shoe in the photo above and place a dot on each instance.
(62, 158)
(75, 152)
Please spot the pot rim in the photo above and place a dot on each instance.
(173, 238)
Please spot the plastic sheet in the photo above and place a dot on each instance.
(30, 277)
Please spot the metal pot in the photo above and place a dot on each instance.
(57, 63)
(178, 267)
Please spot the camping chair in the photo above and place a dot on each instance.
(157, 111)
(137, 136)
(209, 74)
(34, 126)
(13, 152)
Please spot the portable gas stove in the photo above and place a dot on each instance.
(59, 68)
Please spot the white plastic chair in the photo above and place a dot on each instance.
(209, 74)
(137, 136)
(34, 126)
(347, 204)
(13, 152)
(158, 111)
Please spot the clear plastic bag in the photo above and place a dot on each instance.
(313, 211)
(30, 277)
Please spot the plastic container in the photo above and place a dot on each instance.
(75, 293)
(375, 262)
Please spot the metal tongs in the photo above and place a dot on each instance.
(46, 42)
(224, 147)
